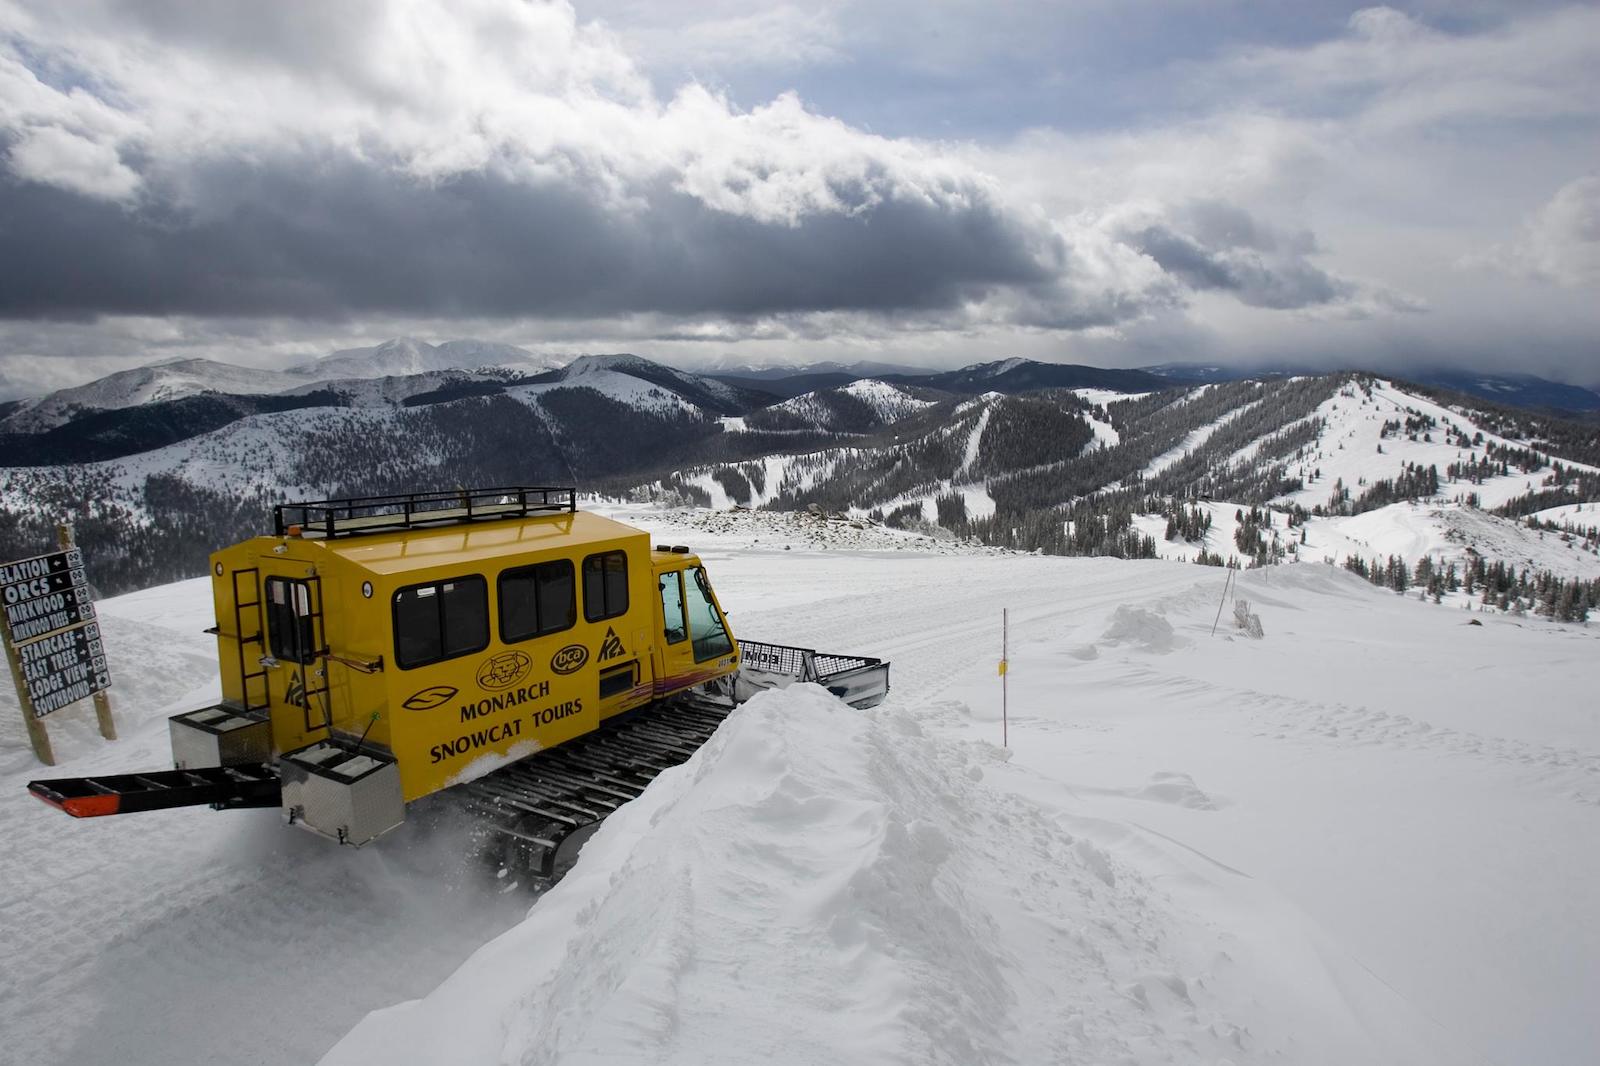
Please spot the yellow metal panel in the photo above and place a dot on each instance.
(457, 719)
(405, 551)
(450, 721)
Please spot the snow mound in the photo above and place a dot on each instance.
(1175, 788)
(821, 885)
(1141, 628)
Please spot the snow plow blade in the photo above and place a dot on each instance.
(858, 680)
(222, 787)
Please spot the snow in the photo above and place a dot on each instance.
(1219, 539)
(1348, 448)
(979, 503)
(1105, 434)
(407, 355)
(586, 366)
(385, 373)
(1445, 531)
(969, 458)
(1578, 516)
(146, 384)
(1194, 439)
(1356, 839)
(1101, 397)
(891, 403)
(615, 385)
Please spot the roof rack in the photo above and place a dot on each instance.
(374, 514)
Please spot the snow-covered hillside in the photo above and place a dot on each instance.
(877, 403)
(411, 366)
(266, 453)
(1355, 448)
(146, 384)
(407, 355)
(1355, 839)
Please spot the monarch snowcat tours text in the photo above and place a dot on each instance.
(547, 661)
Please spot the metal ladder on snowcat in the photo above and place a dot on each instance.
(258, 638)
(319, 655)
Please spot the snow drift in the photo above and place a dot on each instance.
(825, 885)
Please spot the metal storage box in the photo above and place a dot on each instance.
(219, 736)
(350, 796)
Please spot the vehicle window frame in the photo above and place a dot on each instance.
(302, 626)
(675, 576)
(702, 585)
(533, 569)
(438, 585)
(608, 613)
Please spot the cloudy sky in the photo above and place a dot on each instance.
(1109, 181)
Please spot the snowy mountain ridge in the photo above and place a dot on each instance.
(407, 355)
(1083, 470)
(143, 385)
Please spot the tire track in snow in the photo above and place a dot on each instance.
(1311, 722)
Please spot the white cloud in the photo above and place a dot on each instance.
(1395, 73)
(1560, 242)
(61, 157)
(1383, 141)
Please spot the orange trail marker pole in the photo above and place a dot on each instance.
(1005, 724)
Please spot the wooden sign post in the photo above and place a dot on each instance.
(52, 640)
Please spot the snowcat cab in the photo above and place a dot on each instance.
(375, 651)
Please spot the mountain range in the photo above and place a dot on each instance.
(161, 464)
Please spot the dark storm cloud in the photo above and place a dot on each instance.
(329, 238)
(1217, 246)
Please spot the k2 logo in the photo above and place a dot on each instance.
(611, 647)
(295, 694)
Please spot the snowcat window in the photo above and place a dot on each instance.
(537, 600)
(440, 620)
(710, 635)
(672, 608)
(290, 627)
(605, 586)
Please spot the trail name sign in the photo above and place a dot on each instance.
(52, 639)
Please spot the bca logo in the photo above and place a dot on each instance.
(429, 698)
(569, 659)
(504, 670)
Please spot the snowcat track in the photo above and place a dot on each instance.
(538, 811)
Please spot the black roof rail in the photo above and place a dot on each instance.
(360, 515)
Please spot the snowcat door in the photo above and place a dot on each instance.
(292, 640)
(696, 646)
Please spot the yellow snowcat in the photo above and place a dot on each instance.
(545, 661)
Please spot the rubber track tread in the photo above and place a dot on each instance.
(534, 806)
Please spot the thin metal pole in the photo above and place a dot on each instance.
(1005, 719)
(1224, 599)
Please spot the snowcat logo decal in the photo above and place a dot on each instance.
(569, 659)
(504, 670)
(295, 694)
(429, 698)
(611, 647)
